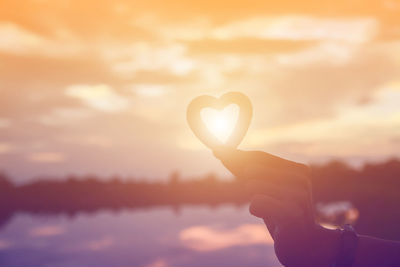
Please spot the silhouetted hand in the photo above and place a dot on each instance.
(283, 200)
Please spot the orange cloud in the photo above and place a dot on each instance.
(46, 157)
(245, 46)
(4, 123)
(101, 97)
(18, 40)
(5, 148)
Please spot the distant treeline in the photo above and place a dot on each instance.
(374, 191)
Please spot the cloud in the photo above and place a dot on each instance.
(245, 46)
(325, 137)
(290, 93)
(194, 29)
(100, 97)
(150, 90)
(95, 140)
(17, 40)
(5, 148)
(114, 19)
(300, 28)
(145, 56)
(37, 84)
(203, 238)
(65, 116)
(46, 157)
(4, 123)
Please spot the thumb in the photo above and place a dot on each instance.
(263, 206)
(280, 211)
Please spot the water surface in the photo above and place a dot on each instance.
(158, 237)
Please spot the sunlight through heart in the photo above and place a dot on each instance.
(221, 123)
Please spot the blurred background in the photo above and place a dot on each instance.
(99, 167)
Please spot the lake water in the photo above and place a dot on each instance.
(159, 237)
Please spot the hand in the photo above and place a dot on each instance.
(283, 200)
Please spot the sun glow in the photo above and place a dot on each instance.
(221, 123)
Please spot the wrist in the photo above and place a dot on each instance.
(327, 243)
(348, 247)
(318, 246)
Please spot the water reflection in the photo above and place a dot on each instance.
(48, 230)
(204, 238)
(198, 236)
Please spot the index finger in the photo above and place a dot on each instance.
(237, 161)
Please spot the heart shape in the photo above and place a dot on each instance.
(198, 127)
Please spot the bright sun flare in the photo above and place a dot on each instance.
(220, 123)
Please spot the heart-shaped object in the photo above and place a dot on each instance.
(205, 101)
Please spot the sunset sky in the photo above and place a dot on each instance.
(102, 86)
